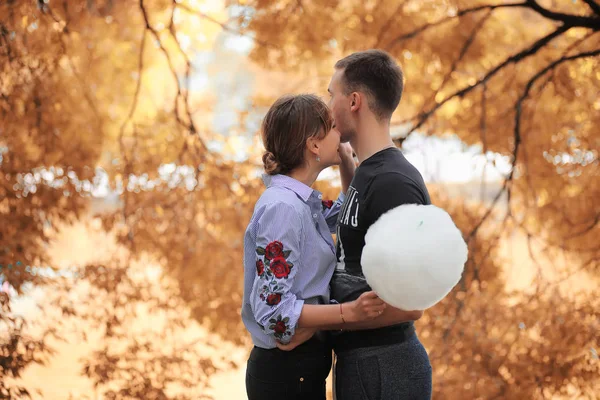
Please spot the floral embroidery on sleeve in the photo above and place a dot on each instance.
(273, 299)
(260, 267)
(275, 259)
(280, 327)
(327, 204)
(280, 268)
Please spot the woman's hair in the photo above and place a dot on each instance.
(290, 121)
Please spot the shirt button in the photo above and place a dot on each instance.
(301, 379)
(320, 196)
(315, 215)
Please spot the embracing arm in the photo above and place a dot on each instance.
(276, 307)
(366, 308)
(390, 316)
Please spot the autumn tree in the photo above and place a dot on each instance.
(107, 84)
(78, 92)
(35, 132)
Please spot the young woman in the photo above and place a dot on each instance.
(289, 255)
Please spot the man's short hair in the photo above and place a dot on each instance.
(376, 73)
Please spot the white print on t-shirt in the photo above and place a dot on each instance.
(341, 264)
(348, 216)
(349, 206)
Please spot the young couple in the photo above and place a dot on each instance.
(303, 294)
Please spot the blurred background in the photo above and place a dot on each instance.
(130, 164)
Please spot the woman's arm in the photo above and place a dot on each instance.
(390, 316)
(277, 256)
(347, 167)
(331, 209)
(366, 308)
(276, 309)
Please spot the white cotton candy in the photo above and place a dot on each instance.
(413, 256)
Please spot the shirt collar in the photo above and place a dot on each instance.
(290, 183)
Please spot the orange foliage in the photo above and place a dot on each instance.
(105, 84)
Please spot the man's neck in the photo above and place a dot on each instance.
(371, 138)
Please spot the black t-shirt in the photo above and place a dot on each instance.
(382, 182)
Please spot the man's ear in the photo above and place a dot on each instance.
(355, 101)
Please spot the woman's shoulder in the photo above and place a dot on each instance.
(280, 195)
(279, 198)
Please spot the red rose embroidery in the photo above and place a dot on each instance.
(279, 327)
(260, 267)
(272, 265)
(273, 250)
(280, 267)
(273, 299)
(327, 203)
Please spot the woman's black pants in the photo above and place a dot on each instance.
(299, 374)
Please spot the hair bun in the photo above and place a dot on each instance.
(270, 163)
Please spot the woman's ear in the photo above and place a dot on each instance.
(312, 144)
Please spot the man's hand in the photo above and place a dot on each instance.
(300, 336)
(367, 307)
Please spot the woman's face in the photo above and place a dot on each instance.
(329, 148)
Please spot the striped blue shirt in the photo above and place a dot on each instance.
(289, 258)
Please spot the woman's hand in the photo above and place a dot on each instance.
(348, 165)
(300, 336)
(346, 153)
(367, 307)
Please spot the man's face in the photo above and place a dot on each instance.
(339, 103)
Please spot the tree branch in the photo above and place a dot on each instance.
(459, 14)
(568, 19)
(531, 82)
(588, 228)
(526, 91)
(593, 5)
(181, 93)
(225, 27)
(387, 25)
(84, 88)
(463, 52)
(188, 70)
(4, 37)
(169, 62)
(137, 88)
(423, 117)
(517, 134)
(483, 132)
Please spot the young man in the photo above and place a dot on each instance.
(384, 359)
